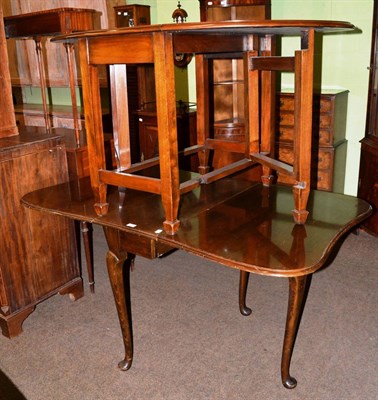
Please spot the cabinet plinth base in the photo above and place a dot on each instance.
(11, 325)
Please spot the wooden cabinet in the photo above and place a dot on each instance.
(328, 140)
(131, 15)
(60, 116)
(225, 10)
(368, 174)
(24, 65)
(33, 264)
(329, 144)
(46, 23)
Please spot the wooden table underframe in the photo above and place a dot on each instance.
(156, 44)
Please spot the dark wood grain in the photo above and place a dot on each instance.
(34, 265)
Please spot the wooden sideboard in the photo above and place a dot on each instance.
(34, 265)
(328, 139)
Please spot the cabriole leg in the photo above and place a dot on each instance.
(119, 263)
(298, 289)
(243, 285)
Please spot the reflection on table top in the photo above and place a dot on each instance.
(232, 221)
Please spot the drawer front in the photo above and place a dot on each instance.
(324, 180)
(323, 159)
(325, 137)
(286, 102)
(325, 104)
(286, 155)
(148, 140)
(33, 120)
(324, 177)
(66, 123)
(286, 134)
(286, 118)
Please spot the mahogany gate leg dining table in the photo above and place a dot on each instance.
(233, 222)
(251, 41)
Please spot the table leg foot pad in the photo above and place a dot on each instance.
(101, 208)
(244, 310)
(171, 227)
(289, 382)
(125, 364)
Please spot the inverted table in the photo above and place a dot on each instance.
(231, 221)
(251, 41)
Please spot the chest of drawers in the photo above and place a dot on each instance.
(328, 140)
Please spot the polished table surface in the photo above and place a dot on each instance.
(234, 222)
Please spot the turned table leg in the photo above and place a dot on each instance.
(119, 263)
(298, 289)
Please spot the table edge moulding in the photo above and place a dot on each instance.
(251, 41)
